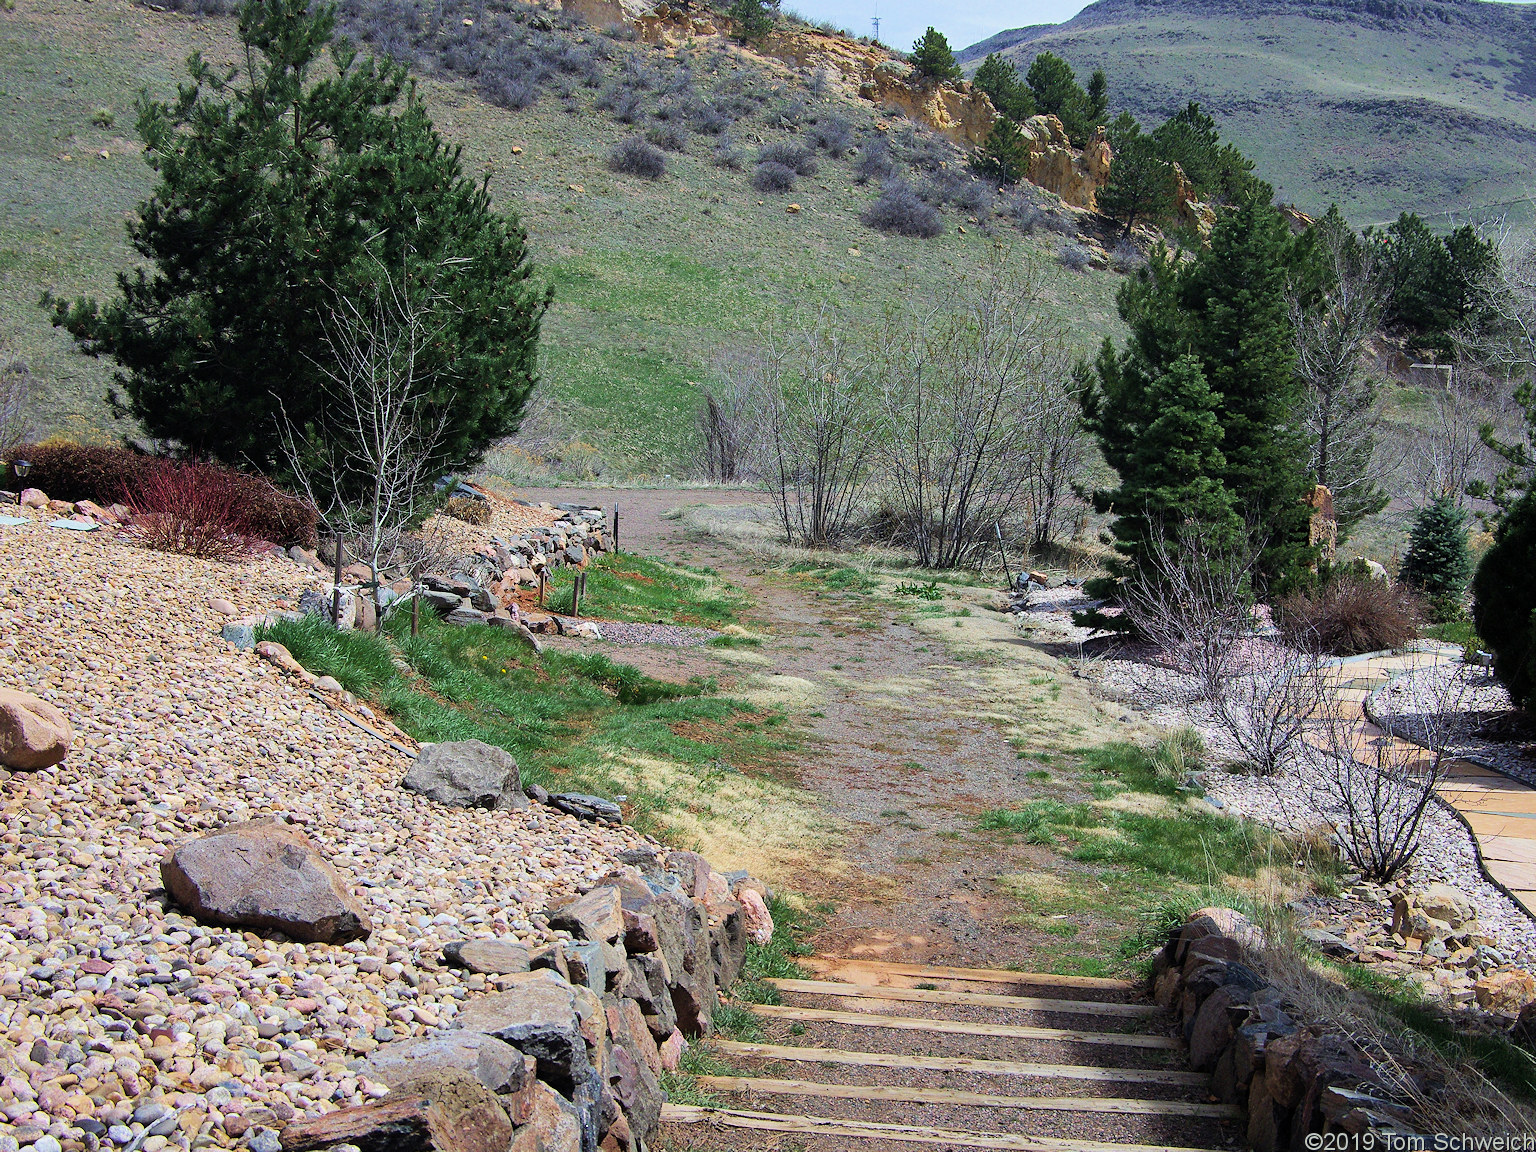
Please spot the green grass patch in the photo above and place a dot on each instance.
(1040, 821)
(928, 591)
(624, 587)
(1459, 632)
(836, 577)
(562, 716)
(1162, 769)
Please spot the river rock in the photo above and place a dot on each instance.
(264, 875)
(497, 1065)
(33, 733)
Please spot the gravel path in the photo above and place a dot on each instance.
(664, 635)
(1481, 704)
(176, 733)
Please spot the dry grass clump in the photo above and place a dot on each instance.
(1349, 615)
(1441, 1078)
(469, 510)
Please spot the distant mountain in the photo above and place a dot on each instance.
(1378, 105)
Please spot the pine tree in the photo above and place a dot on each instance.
(277, 194)
(1098, 96)
(1142, 187)
(1004, 155)
(1438, 562)
(1227, 307)
(932, 59)
(1057, 93)
(1504, 601)
(999, 79)
(753, 18)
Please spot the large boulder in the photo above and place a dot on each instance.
(537, 1016)
(33, 733)
(552, 1126)
(635, 1068)
(496, 1064)
(267, 876)
(755, 915)
(1506, 992)
(448, 1111)
(467, 774)
(596, 916)
(491, 957)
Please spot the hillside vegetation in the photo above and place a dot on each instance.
(1428, 106)
(651, 277)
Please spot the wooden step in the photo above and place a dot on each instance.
(985, 999)
(862, 1129)
(960, 1027)
(965, 1064)
(750, 1084)
(979, 975)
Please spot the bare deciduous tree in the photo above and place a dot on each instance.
(1503, 344)
(364, 463)
(1058, 451)
(1270, 702)
(1330, 336)
(964, 388)
(729, 419)
(818, 427)
(1447, 448)
(1193, 599)
(1373, 789)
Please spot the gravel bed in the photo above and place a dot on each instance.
(664, 635)
(177, 733)
(1476, 700)
(1447, 854)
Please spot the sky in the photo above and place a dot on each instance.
(965, 22)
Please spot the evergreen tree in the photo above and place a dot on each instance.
(753, 19)
(1434, 280)
(1098, 96)
(1215, 171)
(1142, 187)
(277, 195)
(1504, 600)
(999, 79)
(1004, 155)
(1057, 93)
(931, 58)
(1228, 308)
(1438, 562)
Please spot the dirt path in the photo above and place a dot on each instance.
(906, 750)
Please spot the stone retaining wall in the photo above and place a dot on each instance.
(1296, 1079)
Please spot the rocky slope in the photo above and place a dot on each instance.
(1426, 106)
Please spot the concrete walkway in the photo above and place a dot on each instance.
(1500, 811)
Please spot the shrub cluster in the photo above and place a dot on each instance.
(901, 211)
(1350, 614)
(190, 509)
(796, 157)
(634, 157)
(112, 475)
(770, 176)
(469, 510)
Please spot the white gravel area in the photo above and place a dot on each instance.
(1448, 855)
(176, 732)
(1477, 701)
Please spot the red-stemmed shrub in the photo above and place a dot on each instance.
(189, 509)
(109, 475)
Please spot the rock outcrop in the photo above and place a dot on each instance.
(264, 875)
(956, 110)
(467, 774)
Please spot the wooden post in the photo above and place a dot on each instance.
(543, 576)
(1002, 552)
(336, 585)
(576, 591)
(615, 532)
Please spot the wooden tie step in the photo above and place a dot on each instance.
(961, 1027)
(748, 1085)
(982, 999)
(828, 1127)
(965, 1064)
(977, 975)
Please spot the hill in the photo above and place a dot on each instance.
(1378, 105)
(651, 277)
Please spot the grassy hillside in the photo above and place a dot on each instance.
(1427, 105)
(650, 277)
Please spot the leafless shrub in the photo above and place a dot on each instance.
(819, 422)
(962, 385)
(875, 162)
(1057, 452)
(1269, 702)
(834, 136)
(668, 137)
(1373, 789)
(728, 418)
(1193, 597)
(773, 177)
(1073, 256)
(1446, 449)
(727, 155)
(795, 157)
(365, 462)
(15, 398)
(900, 211)
(634, 157)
